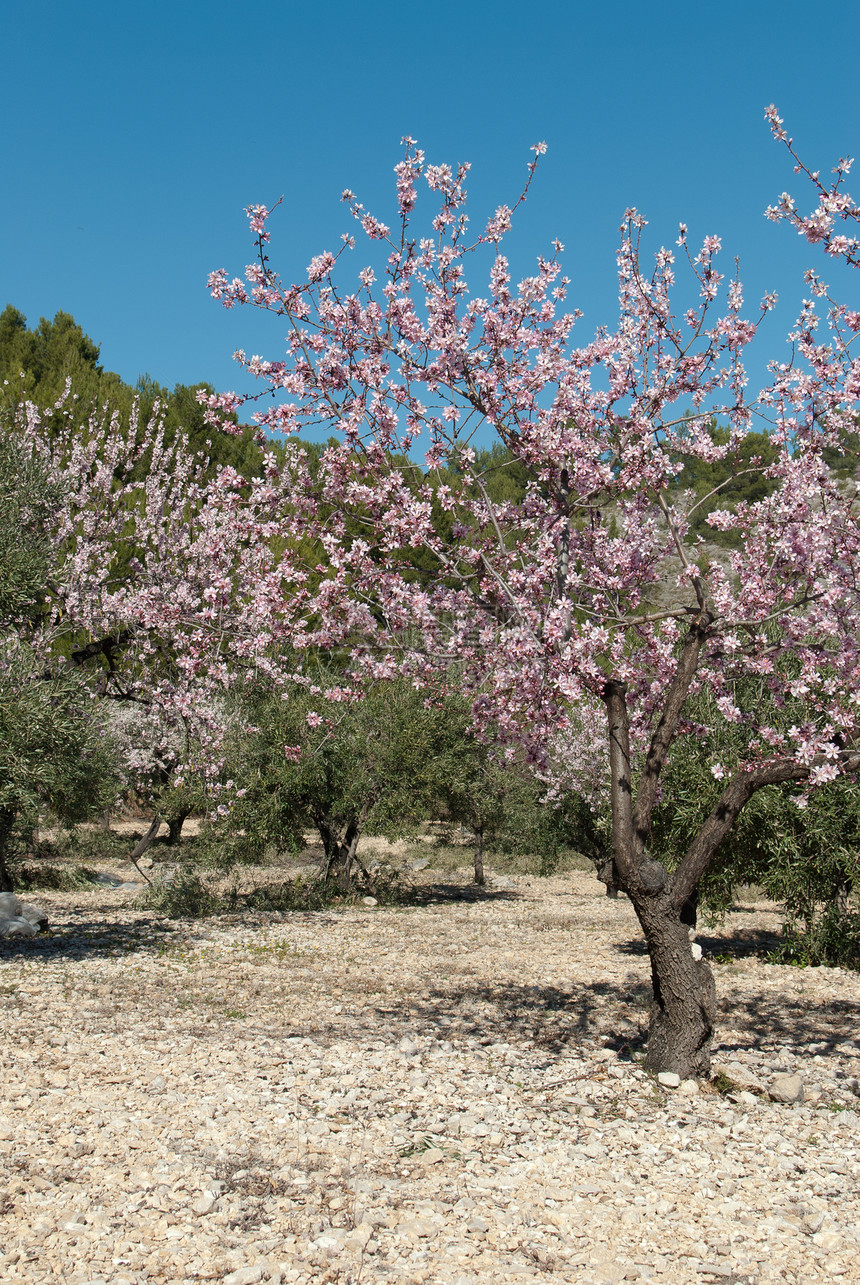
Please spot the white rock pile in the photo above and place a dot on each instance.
(19, 919)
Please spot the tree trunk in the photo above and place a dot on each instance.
(843, 892)
(604, 867)
(7, 820)
(479, 856)
(683, 1012)
(142, 844)
(174, 827)
(340, 854)
(682, 1017)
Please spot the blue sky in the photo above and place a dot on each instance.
(134, 136)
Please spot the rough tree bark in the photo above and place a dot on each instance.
(341, 859)
(682, 1016)
(174, 827)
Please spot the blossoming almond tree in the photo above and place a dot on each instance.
(547, 604)
(145, 549)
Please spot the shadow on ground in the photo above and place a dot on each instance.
(737, 943)
(615, 1015)
(87, 935)
(431, 894)
(93, 937)
(545, 1019)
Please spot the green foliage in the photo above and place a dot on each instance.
(845, 463)
(53, 751)
(36, 363)
(830, 937)
(365, 765)
(54, 754)
(186, 893)
(55, 878)
(83, 844)
(801, 847)
(500, 801)
(219, 847)
(506, 478)
(27, 496)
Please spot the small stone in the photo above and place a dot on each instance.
(369, 901)
(204, 1204)
(249, 1275)
(786, 1088)
(688, 1088)
(669, 1079)
(432, 1156)
(478, 1225)
(609, 1273)
(738, 1074)
(407, 1046)
(418, 1229)
(828, 1240)
(329, 1241)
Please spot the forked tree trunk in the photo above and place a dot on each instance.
(683, 1011)
(174, 827)
(341, 859)
(682, 1018)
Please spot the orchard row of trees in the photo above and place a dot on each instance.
(384, 764)
(558, 583)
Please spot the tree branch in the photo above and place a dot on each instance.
(623, 834)
(664, 733)
(734, 797)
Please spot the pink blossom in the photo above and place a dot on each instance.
(320, 266)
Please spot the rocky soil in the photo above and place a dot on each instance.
(450, 1093)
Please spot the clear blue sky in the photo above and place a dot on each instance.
(134, 136)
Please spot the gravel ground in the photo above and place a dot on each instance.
(450, 1093)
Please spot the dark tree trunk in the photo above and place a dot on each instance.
(682, 1017)
(142, 844)
(843, 892)
(341, 859)
(479, 856)
(7, 820)
(690, 910)
(682, 1014)
(174, 827)
(604, 867)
